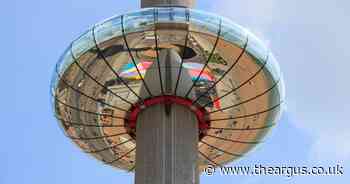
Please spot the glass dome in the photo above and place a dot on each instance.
(99, 77)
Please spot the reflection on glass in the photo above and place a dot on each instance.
(62, 65)
(204, 22)
(124, 60)
(256, 48)
(108, 29)
(83, 44)
(273, 67)
(233, 33)
(138, 21)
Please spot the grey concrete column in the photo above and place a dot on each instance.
(157, 3)
(167, 135)
(166, 146)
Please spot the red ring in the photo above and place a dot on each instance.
(201, 112)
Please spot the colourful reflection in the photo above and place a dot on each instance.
(194, 70)
(129, 71)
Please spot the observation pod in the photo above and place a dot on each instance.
(125, 65)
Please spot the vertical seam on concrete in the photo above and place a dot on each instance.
(173, 138)
(163, 147)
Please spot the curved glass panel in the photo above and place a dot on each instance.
(165, 15)
(233, 32)
(108, 29)
(282, 90)
(84, 43)
(63, 63)
(176, 15)
(138, 21)
(179, 15)
(273, 67)
(204, 22)
(54, 81)
(256, 48)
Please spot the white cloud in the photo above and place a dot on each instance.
(332, 146)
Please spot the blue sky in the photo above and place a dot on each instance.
(309, 39)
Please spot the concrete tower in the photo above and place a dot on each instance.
(167, 133)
